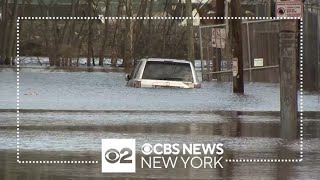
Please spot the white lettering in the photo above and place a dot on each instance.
(166, 163)
(207, 162)
(156, 161)
(208, 148)
(220, 150)
(217, 162)
(193, 164)
(196, 149)
(187, 148)
(185, 161)
(145, 161)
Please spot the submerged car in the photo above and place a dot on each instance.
(157, 73)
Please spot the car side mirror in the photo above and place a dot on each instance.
(128, 77)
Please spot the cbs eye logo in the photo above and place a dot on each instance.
(113, 155)
(118, 155)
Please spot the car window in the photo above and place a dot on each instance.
(173, 71)
(136, 70)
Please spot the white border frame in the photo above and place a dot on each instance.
(300, 97)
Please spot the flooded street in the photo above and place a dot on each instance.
(42, 89)
(65, 115)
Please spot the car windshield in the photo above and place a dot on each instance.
(166, 70)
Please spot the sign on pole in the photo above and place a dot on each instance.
(235, 67)
(218, 38)
(258, 62)
(289, 9)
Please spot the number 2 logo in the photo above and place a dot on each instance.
(113, 155)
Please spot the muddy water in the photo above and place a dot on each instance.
(80, 109)
(107, 91)
(77, 136)
(11, 170)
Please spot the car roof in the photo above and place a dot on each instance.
(169, 60)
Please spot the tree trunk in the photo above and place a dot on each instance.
(12, 34)
(190, 31)
(127, 61)
(105, 39)
(4, 33)
(57, 61)
(2, 30)
(150, 28)
(138, 28)
(89, 55)
(114, 50)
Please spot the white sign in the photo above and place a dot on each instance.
(258, 62)
(289, 9)
(235, 67)
(118, 155)
(218, 38)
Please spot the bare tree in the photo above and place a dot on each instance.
(105, 38)
(190, 31)
(90, 48)
(128, 46)
(138, 26)
(4, 31)
(12, 34)
(150, 11)
(114, 47)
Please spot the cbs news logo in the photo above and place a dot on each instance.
(118, 155)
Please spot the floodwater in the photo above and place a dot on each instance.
(42, 89)
(64, 116)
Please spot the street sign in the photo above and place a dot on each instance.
(218, 38)
(289, 9)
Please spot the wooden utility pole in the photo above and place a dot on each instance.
(288, 78)
(190, 31)
(220, 4)
(236, 29)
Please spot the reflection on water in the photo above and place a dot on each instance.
(77, 136)
(10, 170)
(206, 115)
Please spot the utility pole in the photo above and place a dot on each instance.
(236, 29)
(288, 78)
(190, 31)
(220, 12)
